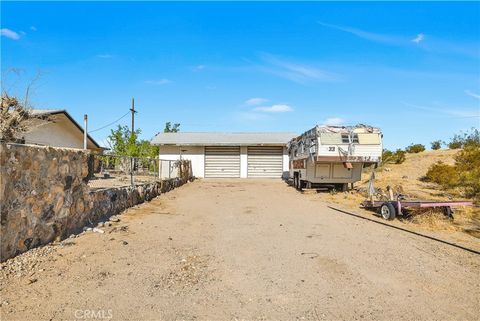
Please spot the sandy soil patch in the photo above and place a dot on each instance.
(242, 250)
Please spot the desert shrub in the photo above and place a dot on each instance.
(399, 156)
(465, 174)
(386, 155)
(443, 174)
(464, 139)
(437, 144)
(415, 148)
(467, 163)
(389, 157)
(455, 144)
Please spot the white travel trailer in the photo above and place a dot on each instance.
(333, 155)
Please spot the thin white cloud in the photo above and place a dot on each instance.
(4, 32)
(455, 112)
(334, 121)
(419, 38)
(471, 94)
(375, 37)
(104, 56)
(33, 28)
(431, 44)
(294, 71)
(279, 108)
(255, 101)
(199, 68)
(162, 81)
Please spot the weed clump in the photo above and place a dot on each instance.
(415, 148)
(443, 174)
(397, 157)
(464, 174)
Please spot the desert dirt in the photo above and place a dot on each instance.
(241, 250)
(407, 179)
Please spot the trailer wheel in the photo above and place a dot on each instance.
(387, 211)
(447, 211)
(295, 180)
(301, 184)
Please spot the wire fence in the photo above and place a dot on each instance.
(108, 171)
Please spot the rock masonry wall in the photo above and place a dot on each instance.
(44, 196)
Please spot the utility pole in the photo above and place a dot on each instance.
(133, 115)
(85, 137)
(132, 161)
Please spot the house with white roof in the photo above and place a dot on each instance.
(228, 155)
(60, 130)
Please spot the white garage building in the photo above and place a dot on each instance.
(228, 155)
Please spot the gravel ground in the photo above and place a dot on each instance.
(241, 250)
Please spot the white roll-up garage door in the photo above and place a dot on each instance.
(222, 161)
(265, 161)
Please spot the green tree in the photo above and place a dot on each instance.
(169, 128)
(123, 143)
(146, 149)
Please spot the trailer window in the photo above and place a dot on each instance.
(345, 139)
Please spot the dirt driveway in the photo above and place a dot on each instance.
(228, 250)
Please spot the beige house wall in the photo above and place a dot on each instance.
(58, 132)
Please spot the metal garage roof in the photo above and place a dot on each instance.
(219, 139)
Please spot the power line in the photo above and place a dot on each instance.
(110, 124)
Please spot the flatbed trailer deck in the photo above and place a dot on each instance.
(389, 209)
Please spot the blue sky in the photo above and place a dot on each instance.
(412, 69)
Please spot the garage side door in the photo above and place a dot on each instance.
(222, 162)
(265, 162)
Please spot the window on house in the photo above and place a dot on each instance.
(345, 139)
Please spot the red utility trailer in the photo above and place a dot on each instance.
(389, 209)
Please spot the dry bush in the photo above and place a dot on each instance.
(467, 163)
(465, 174)
(442, 174)
(431, 219)
(415, 148)
(437, 144)
(16, 119)
(465, 139)
(397, 157)
(184, 168)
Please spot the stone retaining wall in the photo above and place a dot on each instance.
(44, 195)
